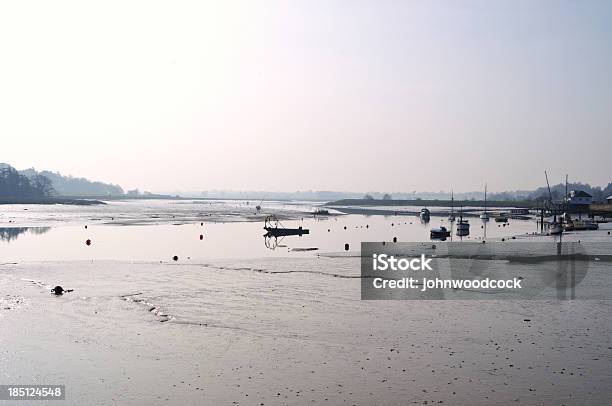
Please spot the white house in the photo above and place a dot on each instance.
(580, 197)
(609, 199)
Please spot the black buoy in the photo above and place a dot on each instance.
(58, 290)
(394, 239)
(175, 258)
(328, 230)
(201, 224)
(384, 243)
(346, 247)
(86, 226)
(201, 237)
(88, 242)
(345, 227)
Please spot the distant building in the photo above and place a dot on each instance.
(579, 197)
(609, 199)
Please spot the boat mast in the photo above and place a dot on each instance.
(485, 204)
(550, 197)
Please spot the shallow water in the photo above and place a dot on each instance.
(159, 230)
(286, 328)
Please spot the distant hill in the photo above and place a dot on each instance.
(71, 186)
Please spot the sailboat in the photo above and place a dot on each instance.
(451, 217)
(485, 216)
(463, 227)
(554, 227)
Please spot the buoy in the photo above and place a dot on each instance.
(394, 239)
(175, 258)
(328, 230)
(384, 243)
(86, 226)
(201, 224)
(88, 242)
(345, 227)
(58, 290)
(346, 247)
(201, 237)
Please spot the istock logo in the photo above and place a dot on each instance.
(384, 262)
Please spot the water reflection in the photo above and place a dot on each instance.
(276, 232)
(11, 233)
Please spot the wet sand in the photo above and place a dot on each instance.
(290, 331)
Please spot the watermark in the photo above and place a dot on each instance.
(32, 392)
(485, 271)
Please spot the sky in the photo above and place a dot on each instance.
(376, 95)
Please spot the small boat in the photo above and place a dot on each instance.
(485, 216)
(275, 229)
(439, 233)
(425, 214)
(321, 212)
(501, 218)
(463, 226)
(554, 228)
(578, 225)
(451, 217)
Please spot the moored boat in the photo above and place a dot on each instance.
(463, 226)
(485, 216)
(501, 218)
(425, 214)
(439, 233)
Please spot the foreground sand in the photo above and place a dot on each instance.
(289, 331)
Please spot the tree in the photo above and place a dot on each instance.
(15, 185)
(42, 185)
(387, 196)
(368, 197)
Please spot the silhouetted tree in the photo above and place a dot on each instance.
(15, 185)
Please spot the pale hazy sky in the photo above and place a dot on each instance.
(324, 95)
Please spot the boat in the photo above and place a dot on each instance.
(451, 217)
(463, 226)
(274, 228)
(578, 225)
(554, 228)
(439, 233)
(321, 212)
(501, 218)
(485, 216)
(425, 214)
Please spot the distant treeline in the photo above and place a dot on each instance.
(15, 185)
(541, 193)
(71, 186)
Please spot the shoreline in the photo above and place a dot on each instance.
(51, 201)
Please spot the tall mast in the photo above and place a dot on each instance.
(485, 206)
(551, 199)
